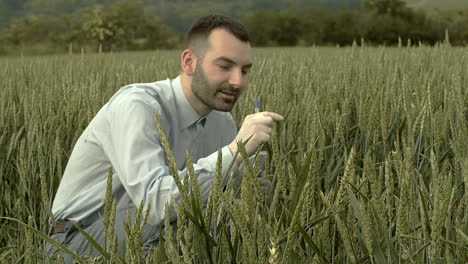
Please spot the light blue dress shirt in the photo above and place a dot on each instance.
(123, 136)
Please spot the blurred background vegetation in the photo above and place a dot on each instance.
(58, 26)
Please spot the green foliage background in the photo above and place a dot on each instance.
(178, 14)
(56, 26)
(370, 164)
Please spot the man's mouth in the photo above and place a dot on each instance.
(228, 95)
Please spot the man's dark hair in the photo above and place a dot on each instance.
(202, 27)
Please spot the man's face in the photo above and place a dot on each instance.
(220, 76)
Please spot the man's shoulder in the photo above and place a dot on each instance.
(154, 94)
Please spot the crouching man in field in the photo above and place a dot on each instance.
(194, 111)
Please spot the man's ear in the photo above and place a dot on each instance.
(188, 61)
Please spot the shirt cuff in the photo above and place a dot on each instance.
(228, 158)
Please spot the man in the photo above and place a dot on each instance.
(194, 111)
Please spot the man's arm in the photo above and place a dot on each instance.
(138, 158)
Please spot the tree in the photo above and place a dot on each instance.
(270, 28)
(385, 29)
(261, 27)
(123, 25)
(127, 18)
(288, 28)
(346, 27)
(96, 27)
(315, 21)
(458, 31)
(30, 29)
(390, 7)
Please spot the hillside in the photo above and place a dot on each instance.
(443, 5)
(174, 13)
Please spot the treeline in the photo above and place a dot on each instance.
(123, 25)
(375, 23)
(173, 13)
(127, 25)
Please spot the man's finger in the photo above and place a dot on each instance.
(275, 116)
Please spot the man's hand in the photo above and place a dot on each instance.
(258, 126)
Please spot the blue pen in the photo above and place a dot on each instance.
(256, 105)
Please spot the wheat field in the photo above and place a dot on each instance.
(370, 164)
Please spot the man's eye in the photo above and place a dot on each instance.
(224, 67)
(245, 72)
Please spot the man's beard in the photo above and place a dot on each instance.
(207, 92)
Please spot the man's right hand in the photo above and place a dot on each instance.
(258, 126)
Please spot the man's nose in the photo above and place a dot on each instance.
(235, 79)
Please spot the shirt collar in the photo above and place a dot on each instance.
(185, 112)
